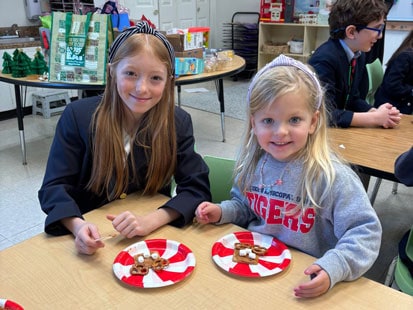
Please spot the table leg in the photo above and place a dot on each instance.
(219, 85)
(19, 112)
(179, 95)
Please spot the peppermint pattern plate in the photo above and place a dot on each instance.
(277, 258)
(181, 263)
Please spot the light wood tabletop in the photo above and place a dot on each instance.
(374, 149)
(47, 273)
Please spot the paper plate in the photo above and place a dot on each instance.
(277, 258)
(181, 263)
(9, 305)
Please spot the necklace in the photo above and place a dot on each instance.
(277, 182)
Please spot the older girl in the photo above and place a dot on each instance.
(133, 138)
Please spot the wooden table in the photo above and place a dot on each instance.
(374, 150)
(236, 66)
(46, 273)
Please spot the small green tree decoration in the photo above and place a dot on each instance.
(22, 63)
(7, 63)
(39, 65)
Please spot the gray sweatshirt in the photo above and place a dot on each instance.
(344, 234)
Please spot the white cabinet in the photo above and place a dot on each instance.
(6, 102)
(313, 35)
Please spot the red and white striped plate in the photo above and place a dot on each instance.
(181, 263)
(9, 305)
(277, 258)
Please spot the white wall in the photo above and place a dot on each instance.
(222, 11)
(12, 12)
(400, 11)
(392, 41)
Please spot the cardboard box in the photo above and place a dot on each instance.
(186, 41)
(196, 53)
(193, 40)
(177, 41)
(188, 66)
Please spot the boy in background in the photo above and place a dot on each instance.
(355, 26)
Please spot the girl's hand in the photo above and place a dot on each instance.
(208, 212)
(319, 283)
(130, 225)
(86, 236)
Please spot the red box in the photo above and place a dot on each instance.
(265, 14)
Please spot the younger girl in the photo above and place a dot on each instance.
(291, 186)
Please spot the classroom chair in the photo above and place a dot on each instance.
(399, 276)
(375, 75)
(220, 177)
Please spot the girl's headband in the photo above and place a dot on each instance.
(141, 27)
(281, 61)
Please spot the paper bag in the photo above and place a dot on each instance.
(79, 47)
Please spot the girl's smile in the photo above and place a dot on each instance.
(282, 129)
(141, 82)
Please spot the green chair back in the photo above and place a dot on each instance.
(375, 74)
(220, 177)
(402, 276)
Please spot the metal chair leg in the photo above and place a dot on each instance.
(394, 189)
(375, 190)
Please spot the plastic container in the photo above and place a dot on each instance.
(296, 46)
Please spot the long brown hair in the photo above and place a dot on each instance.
(156, 132)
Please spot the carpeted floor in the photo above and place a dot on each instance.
(235, 93)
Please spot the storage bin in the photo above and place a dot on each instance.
(275, 48)
(48, 103)
(296, 46)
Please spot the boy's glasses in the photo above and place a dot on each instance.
(360, 27)
(378, 30)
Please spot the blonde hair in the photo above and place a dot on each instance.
(156, 133)
(272, 83)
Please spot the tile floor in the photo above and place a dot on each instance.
(21, 217)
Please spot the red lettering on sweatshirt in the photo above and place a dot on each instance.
(278, 212)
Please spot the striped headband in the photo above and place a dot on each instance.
(281, 61)
(141, 27)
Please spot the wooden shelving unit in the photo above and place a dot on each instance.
(313, 35)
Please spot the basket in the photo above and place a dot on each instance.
(275, 48)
